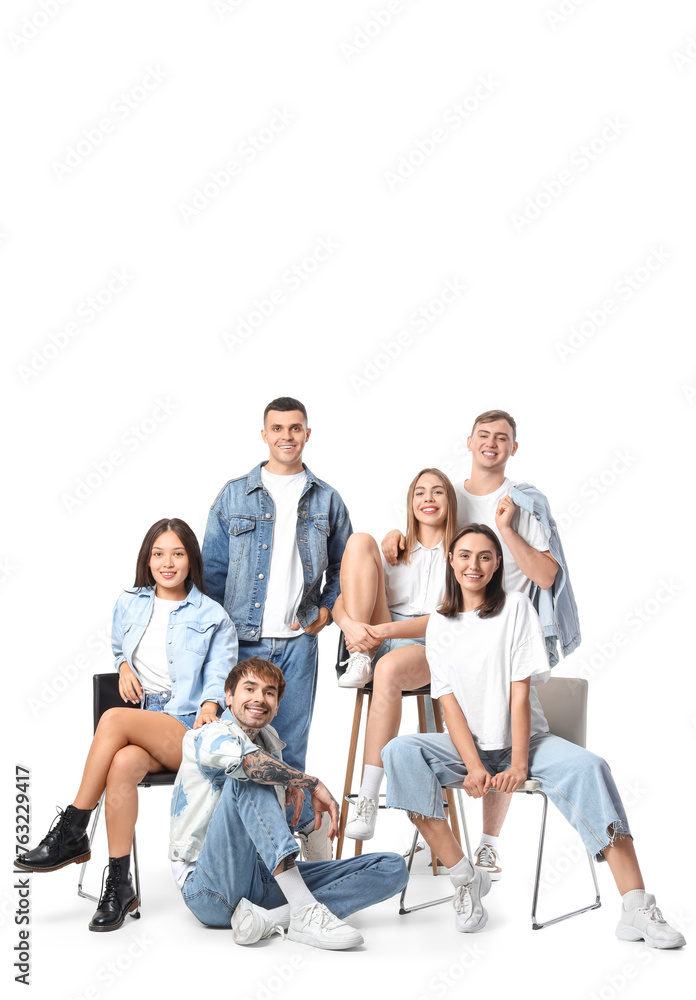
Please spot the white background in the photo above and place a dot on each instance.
(135, 195)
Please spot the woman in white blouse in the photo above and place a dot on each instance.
(372, 593)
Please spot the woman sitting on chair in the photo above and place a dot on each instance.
(372, 591)
(484, 648)
(165, 620)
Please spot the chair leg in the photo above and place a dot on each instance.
(136, 875)
(593, 906)
(80, 891)
(359, 843)
(350, 768)
(403, 909)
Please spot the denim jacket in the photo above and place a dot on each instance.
(556, 606)
(237, 549)
(209, 756)
(200, 653)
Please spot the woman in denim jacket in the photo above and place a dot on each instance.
(174, 648)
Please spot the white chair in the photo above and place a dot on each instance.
(564, 701)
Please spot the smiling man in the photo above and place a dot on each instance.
(533, 559)
(272, 554)
(232, 854)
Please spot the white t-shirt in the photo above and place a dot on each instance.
(476, 660)
(481, 510)
(150, 655)
(285, 577)
(416, 588)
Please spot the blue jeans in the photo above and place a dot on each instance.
(158, 702)
(246, 840)
(298, 659)
(387, 645)
(578, 782)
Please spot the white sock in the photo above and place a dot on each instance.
(371, 782)
(632, 899)
(293, 887)
(279, 914)
(487, 838)
(462, 872)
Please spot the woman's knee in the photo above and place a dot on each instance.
(129, 766)
(361, 544)
(113, 721)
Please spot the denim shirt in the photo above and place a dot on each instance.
(203, 646)
(237, 549)
(209, 756)
(556, 606)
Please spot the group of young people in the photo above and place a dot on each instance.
(220, 649)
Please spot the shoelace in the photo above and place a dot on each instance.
(108, 891)
(654, 913)
(319, 914)
(462, 898)
(342, 663)
(364, 807)
(56, 832)
(486, 856)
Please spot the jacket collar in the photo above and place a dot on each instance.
(254, 478)
(193, 597)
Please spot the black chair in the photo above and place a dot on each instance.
(429, 721)
(105, 696)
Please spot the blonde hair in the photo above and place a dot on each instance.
(412, 523)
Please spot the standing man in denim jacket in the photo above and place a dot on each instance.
(533, 560)
(273, 538)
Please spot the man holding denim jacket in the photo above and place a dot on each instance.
(272, 539)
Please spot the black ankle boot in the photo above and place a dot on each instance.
(65, 843)
(117, 897)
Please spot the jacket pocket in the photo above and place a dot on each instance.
(198, 637)
(241, 534)
(321, 535)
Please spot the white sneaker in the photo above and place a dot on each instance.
(358, 672)
(488, 858)
(251, 923)
(315, 925)
(362, 819)
(646, 923)
(315, 845)
(469, 912)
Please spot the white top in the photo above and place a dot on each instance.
(150, 655)
(285, 577)
(477, 659)
(481, 510)
(418, 587)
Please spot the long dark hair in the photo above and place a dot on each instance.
(143, 575)
(494, 598)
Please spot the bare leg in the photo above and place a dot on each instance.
(156, 732)
(404, 669)
(622, 860)
(438, 835)
(129, 766)
(495, 807)
(362, 580)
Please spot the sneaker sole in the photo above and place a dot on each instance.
(479, 926)
(55, 868)
(353, 684)
(119, 923)
(325, 944)
(625, 933)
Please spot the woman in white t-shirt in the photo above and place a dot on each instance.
(484, 649)
(174, 648)
(372, 591)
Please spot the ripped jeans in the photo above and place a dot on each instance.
(579, 783)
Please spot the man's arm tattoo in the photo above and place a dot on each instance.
(266, 770)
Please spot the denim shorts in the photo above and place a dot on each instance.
(158, 703)
(389, 644)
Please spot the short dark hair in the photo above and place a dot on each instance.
(494, 598)
(490, 415)
(256, 667)
(143, 573)
(283, 404)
